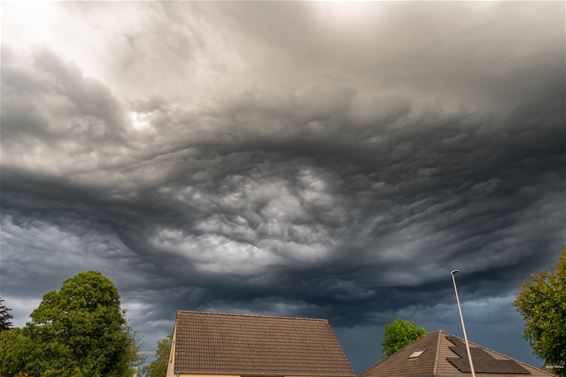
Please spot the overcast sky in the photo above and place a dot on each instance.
(319, 159)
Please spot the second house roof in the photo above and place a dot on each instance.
(441, 354)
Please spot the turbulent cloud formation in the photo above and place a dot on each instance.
(313, 159)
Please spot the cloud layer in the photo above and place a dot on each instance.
(221, 157)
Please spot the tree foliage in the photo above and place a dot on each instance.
(5, 317)
(16, 351)
(542, 302)
(158, 367)
(400, 333)
(77, 331)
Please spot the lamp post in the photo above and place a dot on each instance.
(453, 273)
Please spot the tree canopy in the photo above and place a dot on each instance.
(158, 367)
(542, 302)
(400, 333)
(77, 331)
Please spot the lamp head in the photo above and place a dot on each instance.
(454, 272)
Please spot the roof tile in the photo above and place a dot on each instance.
(219, 343)
(441, 351)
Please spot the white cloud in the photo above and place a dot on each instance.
(21, 308)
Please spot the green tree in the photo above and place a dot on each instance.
(158, 367)
(15, 352)
(542, 302)
(77, 331)
(5, 317)
(398, 334)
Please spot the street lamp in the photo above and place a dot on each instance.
(453, 273)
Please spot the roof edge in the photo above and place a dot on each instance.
(250, 315)
(340, 348)
(248, 374)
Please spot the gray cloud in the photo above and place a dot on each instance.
(218, 163)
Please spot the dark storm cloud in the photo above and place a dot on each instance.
(327, 224)
(298, 178)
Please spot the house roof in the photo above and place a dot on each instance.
(219, 343)
(444, 355)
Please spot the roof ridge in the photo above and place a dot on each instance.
(500, 354)
(277, 374)
(251, 315)
(436, 357)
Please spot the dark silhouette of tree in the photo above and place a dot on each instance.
(5, 317)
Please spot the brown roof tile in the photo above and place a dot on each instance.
(399, 364)
(437, 360)
(218, 343)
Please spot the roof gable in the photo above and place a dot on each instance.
(218, 343)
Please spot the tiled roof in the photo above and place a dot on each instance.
(218, 343)
(443, 356)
